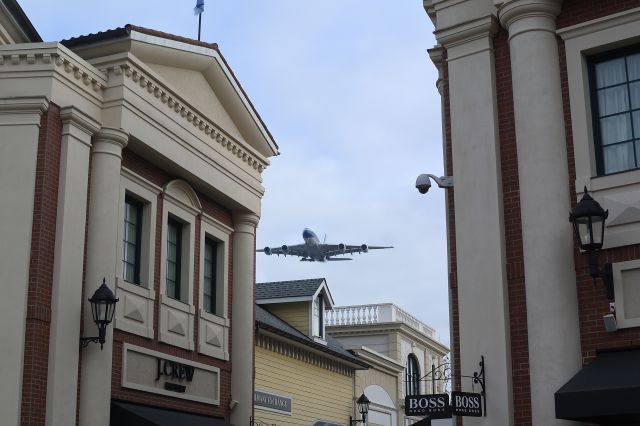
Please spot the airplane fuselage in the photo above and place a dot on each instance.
(312, 244)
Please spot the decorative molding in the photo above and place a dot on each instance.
(188, 113)
(181, 193)
(482, 28)
(630, 16)
(301, 354)
(511, 11)
(37, 105)
(71, 115)
(62, 62)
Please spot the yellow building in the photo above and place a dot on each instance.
(302, 376)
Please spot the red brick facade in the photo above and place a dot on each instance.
(592, 300)
(159, 177)
(43, 241)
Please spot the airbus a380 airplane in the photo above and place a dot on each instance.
(314, 251)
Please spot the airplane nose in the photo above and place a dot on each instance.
(306, 234)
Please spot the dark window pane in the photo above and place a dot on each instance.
(633, 66)
(616, 128)
(613, 100)
(610, 73)
(619, 157)
(210, 284)
(131, 241)
(634, 93)
(174, 258)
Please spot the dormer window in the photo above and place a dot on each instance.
(318, 317)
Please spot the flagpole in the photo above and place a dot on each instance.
(199, 25)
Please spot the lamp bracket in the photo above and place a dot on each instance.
(84, 341)
(605, 274)
(442, 181)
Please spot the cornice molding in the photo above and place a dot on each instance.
(484, 27)
(280, 346)
(186, 112)
(540, 15)
(72, 116)
(600, 24)
(36, 105)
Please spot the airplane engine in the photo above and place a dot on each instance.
(267, 251)
(285, 249)
(364, 248)
(342, 247)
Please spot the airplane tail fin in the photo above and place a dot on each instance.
(336, 259)
(325, 239)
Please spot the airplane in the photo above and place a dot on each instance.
(314, 251)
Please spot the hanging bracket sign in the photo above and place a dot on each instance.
(436, 406)
(466, 404)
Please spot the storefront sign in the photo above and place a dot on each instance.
(466, 404)
(272, 402)
(152, 371)
(436, 406)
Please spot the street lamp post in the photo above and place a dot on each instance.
(363, 409)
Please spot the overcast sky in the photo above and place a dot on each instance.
(348, 91)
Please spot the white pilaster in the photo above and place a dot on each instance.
(552, 308)
(102, 240)
(62, 382)
(480, 245)
(242, 320)
(19, 131)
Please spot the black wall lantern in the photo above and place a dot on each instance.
(363, 409)
(588, 219)
(103, 306)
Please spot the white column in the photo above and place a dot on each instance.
(19, 131)
(480, 245)
(552, 308)
(62, 382)
(102, 240)
(242, 321)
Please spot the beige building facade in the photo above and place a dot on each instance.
(132, 156)
(539, 108)
(303, 375)
(402, 352)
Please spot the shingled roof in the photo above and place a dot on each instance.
(287, 289)
(268, 321)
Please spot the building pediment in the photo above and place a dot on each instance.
(196, 70)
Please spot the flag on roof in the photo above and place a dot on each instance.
(199, 9)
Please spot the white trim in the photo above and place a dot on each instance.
(618, 285)
(184, 308)
(212, 228)
(125, 384)
(595, 36)
(142, 295)
(284, 300)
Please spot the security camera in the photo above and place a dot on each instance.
(423, 183)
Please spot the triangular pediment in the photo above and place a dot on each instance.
(194, 86)
(202, 75)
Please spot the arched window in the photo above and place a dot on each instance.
(412, 376)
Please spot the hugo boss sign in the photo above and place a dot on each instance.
(466, 404)
(436, 406)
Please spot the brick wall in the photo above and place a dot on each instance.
(43, 239)
(159, 177)
(592, 300)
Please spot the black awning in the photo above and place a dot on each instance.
(127, 414)
(608, 389)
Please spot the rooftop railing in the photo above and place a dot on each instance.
(375, 314)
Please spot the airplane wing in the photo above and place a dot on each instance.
(337, 249)
(285, 250)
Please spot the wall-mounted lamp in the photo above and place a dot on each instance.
(103, 306)
(363, 409)
(423, 183)
(588, 219)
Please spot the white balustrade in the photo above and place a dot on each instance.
(374, 314)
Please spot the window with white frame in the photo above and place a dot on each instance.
(318, 317)
(132, 240)
(174, 259)
(209, 281)
(135, 267)
(412, 376)
(615, 86)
